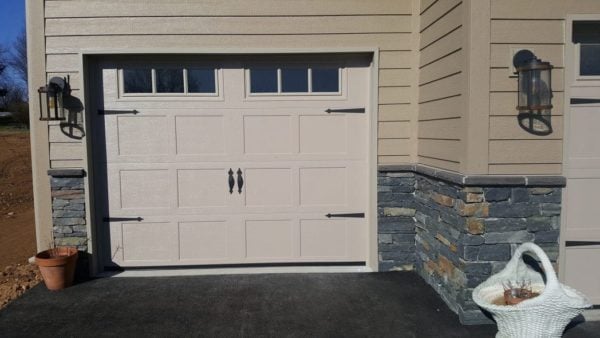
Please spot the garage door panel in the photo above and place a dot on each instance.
(323, 186)
(269, 239)
(153, 242)
(200, 135)
(268, 134)
(204, 241)
(198, 188)
(144, 189)
(577, 265)
(143, 135)
(326, 239)
(323, 134)
(268, 187)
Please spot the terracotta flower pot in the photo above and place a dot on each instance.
(57, 266)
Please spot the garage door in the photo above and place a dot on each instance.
(582, 165)
(233, 160)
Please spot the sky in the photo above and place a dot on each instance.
(12, 20)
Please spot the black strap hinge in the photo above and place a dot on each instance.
(346, 110)
(350, 215)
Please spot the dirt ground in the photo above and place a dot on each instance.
(17, 228)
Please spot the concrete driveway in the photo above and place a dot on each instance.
(295, 305)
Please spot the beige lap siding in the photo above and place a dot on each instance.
(441, 84)
(537, 25)
(73, 26)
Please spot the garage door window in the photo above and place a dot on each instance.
(295, 80)
(169, 81)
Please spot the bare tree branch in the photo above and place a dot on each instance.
(18, 59)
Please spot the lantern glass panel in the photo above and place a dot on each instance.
(523, 88)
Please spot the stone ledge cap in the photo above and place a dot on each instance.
(66, 172)
(477, 180)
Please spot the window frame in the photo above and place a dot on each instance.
(280, 95)
(184, 67)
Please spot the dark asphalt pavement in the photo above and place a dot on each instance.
(271, 305)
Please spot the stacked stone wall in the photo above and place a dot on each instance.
(465, 234)
(396, 223)
(69, 226)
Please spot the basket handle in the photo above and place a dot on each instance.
(551, 280)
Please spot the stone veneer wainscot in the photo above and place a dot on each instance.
(466, 227)
(68, 208)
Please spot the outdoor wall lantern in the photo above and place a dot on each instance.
(535, 93)
(55, 92)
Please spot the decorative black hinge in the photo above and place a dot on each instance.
(584, 101)
(581, 243)
(117, 112)
(351, 215)
(122, 219)
(346, 110)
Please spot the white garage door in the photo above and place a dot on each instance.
(233, 161)
(582, 162)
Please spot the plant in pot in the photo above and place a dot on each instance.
(57, 266)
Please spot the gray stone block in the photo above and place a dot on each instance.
(494, 252)
(550, 236)
(496, 194)
(550, 209)
(481, 269)
(63, 230)
(403, 238)
(68, 213)
(521, 236)
(467, 239)
(504, 209)
(68, 221)
(384, 239)
(504, 224)
(540, 223)
(519, 195)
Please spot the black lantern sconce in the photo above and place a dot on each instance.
(535, 93)
(52, 108)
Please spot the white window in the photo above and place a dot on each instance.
(294, 80)
(168, 81)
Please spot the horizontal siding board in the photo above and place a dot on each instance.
(395, 59)
(395, 112)
(444, 46)
(396, 77)
(60, 164)
(449, 150)
(227, 25)
(528, 169)
(434, 162)
(525, 151)
(541, 9)
(501, 54)
(445, 87)
(436, 11)
(64, 134)
(389, 95)
(507, 128)
(501, 82)
(441, 129)
(66, 151)
(505, 103)
(62, 63)
(393, 159)
(75, 44)
(394, 147)
(394, 130)
(450, 64)
(447, 108)
(104, 8)
(440, 28)
(527, 31)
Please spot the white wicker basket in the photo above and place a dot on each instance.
(546, 315)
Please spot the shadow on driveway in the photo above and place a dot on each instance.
(299, 305)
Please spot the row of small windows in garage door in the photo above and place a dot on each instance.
(263, 80)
